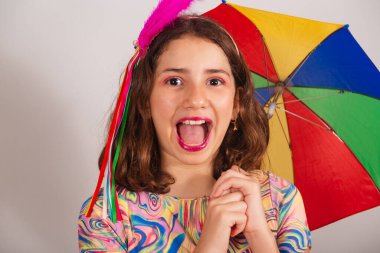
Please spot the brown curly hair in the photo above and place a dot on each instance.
(138, 167)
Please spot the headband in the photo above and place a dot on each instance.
(225, 31)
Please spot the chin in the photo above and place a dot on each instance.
(204, 156)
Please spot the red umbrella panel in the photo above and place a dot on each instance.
(322, 93)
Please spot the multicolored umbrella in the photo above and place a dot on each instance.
(322, 93)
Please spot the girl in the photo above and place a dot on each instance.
(188, 174)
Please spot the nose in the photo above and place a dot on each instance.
(196, 96)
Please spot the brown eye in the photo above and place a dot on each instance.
(215, 82)
(174, 81)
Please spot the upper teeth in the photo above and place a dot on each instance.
(194, 122)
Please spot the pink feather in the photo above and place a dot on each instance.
(164, 14)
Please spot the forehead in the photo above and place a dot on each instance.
(192, 50)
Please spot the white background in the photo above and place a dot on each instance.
(60, 63)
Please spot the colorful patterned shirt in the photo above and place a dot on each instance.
(161, 223)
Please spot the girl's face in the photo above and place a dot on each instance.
(192, 101)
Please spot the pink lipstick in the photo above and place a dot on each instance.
(189, 133)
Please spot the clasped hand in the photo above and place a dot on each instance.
(236, 200)
(235, 207)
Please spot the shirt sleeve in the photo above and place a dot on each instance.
(293, 232)
(96, 234)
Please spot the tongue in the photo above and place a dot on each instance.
(192, 134)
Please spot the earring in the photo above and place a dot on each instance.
(235, 125)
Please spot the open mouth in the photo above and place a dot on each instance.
(193, 133)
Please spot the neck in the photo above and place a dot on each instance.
(191, 181)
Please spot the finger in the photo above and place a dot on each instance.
(239, 170)
(242, 184)
(235, 168)
(255, 177)
(234, 190)
(221, 182)
(229, 173)
(240, 223)
(226, 192)
(229, 197)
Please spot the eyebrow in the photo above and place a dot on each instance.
(186, 71)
